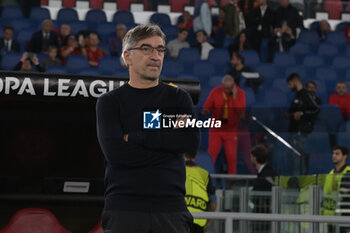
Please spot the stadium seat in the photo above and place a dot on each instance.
(187, 76)
(97, 228)
(215, 81)
(172, 68)
(275, 98)
(203, 70)
(90, 71)
(121, 73)
(94, 18)
(38, 14)
(67, 15)
(321, 139)
(341, 26)
(68, 3)
(347, 50)
(188, 56)
(249, 96)
(124, 17)
(280, 84)
(20, 24)
(56, 70)
(299, 69)
(332, 116)
(205, 161)
(347, 75)
(327, 51)
(10, 60)
(108, 65)
(300, 50)
(76, 63)
(268, 71)
(220, 58)
(105, 30)
(251, 58)
(78, 26)
(170, 32)
(11, 12)
(314, 26)
(340, 64)
(312, 62)
(320, 163)
(327, 74)
(33, 220)
(284, 59)
(322, 91)
(343, 138)
(228, 41)
(178, 5)
(336, 37)
(24, 36)
(160, 19)
(310, 38)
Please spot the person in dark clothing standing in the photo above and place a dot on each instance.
(145, 169)
(289, 15)
(265, 181)
(259, 158)
(262, 23)
(302, 114)
(41, 40)
(311, 86)
(242, 73)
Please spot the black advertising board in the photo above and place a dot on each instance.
(48, 129)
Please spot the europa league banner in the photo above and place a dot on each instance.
(52, 86)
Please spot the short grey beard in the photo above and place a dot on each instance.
(150, 78)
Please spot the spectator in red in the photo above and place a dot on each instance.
(185, 21)
(69, 47)
(92, 51)
(227, 103)
(342, 99)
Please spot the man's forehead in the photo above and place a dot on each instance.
(154, 41)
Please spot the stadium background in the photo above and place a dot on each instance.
(28, 179)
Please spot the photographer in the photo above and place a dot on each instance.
(28, 62)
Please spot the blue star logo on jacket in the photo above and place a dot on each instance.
(151, 119)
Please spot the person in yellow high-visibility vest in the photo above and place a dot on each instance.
(200, 192)
(333, 181)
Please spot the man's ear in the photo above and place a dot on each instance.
(127, 58)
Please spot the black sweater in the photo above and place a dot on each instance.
(147, 173)
(304, 102)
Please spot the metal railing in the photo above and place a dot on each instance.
(229, 217)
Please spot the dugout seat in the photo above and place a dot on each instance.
(34, 220)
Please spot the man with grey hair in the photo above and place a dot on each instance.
(227, 103)
(115, 42)
(145, 171)
(41, 40)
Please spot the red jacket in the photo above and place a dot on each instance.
(216, 103)
(343, 102)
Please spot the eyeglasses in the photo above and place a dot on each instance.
(148, 49)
